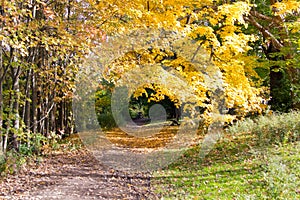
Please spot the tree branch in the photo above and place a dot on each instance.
(266, 33)
(261, 16)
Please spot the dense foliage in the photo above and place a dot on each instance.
(43, 42)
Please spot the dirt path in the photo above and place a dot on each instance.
(77, 174)
(74, 175)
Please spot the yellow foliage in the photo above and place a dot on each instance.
(286, 7)
(217, 28)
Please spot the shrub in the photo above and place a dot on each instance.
(273, 128)
(282, 173)
(12, 162)
(30, 147)
(106, 121)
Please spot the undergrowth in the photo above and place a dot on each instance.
(275, 128)
(40, 146)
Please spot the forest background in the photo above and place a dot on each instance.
(254, 45)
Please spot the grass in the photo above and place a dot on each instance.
(247, 163)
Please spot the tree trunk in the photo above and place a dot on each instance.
(1, 118)
(34, 103)
(1, 99)
(53, 119)
(281, 99)
(61, 116)
(26, 111)
(26, 108)
(16, 112)
(280, 82)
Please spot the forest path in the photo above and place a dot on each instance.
(74, 175)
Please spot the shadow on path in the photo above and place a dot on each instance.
(75, 175)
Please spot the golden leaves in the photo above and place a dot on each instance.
(218, 28)
(286, 7)
(232, 13)
(208, 35)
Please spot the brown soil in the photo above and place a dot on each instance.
(74, 175)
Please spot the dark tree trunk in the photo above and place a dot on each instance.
(26, 108)
(1, 117)
(281, 99)
(34, 104)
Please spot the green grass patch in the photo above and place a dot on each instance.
(238, 167)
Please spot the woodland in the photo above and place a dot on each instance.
(253, 46)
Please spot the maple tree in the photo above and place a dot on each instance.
(242, 38)
(215, 29)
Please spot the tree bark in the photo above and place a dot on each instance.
(34, 104)
(280, 87)
(1, 98)
(1, 117)
(16, 106)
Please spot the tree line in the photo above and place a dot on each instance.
(43, 43)
(41, 46)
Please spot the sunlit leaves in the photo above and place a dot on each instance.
(286, 7)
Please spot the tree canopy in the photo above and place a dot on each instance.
(254, 44)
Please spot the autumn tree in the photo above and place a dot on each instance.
(241, 37)
(42, 43)
(217, 28)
